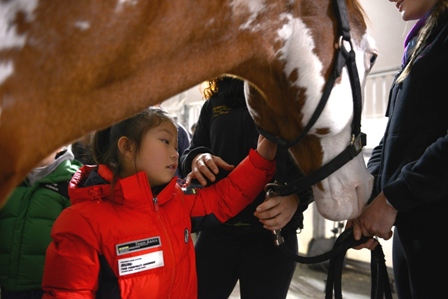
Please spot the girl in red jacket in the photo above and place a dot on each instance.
(127, 233)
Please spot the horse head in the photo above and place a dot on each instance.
(283, 101)
(68, 68)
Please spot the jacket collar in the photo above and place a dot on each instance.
(89, 184)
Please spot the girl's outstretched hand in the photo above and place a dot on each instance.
(266, 148)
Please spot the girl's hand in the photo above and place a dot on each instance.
(266, 148)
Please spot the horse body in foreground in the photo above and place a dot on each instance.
(70, 67)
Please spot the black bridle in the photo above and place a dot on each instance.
(358, 140)
(379, 275)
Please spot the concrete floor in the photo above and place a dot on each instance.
(310, 284)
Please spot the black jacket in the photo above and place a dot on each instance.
(226, 129)
(411, 163)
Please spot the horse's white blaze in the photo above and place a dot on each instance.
(345, 191)
(298, 39)
(297, 53)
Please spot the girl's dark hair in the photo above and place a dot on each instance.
(105, 142)
(439, 8)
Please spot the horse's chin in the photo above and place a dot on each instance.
(343, 196)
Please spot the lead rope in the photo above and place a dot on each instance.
(380, 284)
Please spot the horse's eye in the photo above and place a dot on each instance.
(370, 60)
(373, 59)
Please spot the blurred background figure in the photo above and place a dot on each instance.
(26, 221)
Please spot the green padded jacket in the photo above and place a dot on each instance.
(26, 220)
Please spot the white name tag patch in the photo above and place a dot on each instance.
(138, 245)
(140, 263)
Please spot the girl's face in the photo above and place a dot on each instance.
(413, 9)
(158, 155)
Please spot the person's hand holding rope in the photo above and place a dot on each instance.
(376, 220)
(277, 211)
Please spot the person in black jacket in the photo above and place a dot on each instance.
(242, 248)
(410, 165)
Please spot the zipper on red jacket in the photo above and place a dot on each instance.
(156, 203)
(169, 246)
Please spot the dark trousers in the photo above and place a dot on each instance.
(28, 294)
(420, 258)
(225, 256)
(401, 272)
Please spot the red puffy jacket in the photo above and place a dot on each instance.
(144, 240)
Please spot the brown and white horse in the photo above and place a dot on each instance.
(69, 67)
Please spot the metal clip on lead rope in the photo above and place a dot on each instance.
(276, 234)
